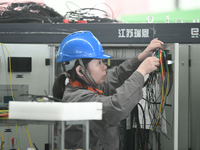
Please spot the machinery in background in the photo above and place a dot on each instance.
(23, 70)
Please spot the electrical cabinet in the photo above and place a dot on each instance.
(122, 42)
(29, 75)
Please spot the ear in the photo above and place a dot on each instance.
(79, 71)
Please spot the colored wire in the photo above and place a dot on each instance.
(4, 118)
(28, 137)
(161, 68)
(3, 114)
(2, 146)
(17, 137)
(41, 99)
(165, 83)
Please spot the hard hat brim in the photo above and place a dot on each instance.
(66, 58)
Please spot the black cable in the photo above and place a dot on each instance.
(83, 14)
(151, 98)
(34, 97)
(143, 115)
(140, 135)
(29, 12)
(145, 136)
(156, 102)
(35, 146)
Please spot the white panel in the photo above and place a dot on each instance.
(38, 78)
(55, 111)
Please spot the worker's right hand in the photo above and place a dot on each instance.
(149, 65)
(154, 44)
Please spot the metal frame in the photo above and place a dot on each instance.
(85, 130)
(107, 33)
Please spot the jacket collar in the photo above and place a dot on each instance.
(78, 84)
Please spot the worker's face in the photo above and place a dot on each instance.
(97, 70)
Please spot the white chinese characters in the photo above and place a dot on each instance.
(133, 33)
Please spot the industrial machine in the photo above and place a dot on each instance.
(35, 53)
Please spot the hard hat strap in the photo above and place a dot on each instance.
(91, 80)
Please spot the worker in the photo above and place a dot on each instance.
(81, 56)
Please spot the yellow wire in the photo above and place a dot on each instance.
(162, 87)
(2, 147)
(10, 71)
(28, 137)
(4, 111)
(4, 118)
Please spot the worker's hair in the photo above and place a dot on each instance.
(59, 83)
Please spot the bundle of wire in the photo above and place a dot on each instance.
(88, 15)
(28, 13)
(4, 114)
(165, 82)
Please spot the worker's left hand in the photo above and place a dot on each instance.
(154, 44)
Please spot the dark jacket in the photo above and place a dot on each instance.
(122, 91)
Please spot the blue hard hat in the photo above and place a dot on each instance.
(81, 44)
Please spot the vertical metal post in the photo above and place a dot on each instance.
(189, 101)
(85, 132)
(62, 135)
(86, 135)
(51, 68)
(51, 136)
(176, 96)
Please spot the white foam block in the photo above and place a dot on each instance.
(55, 111)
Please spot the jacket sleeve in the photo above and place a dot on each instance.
(117, 77)
(119, 105)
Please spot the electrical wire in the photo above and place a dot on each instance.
(41, 99)
(158, 81)
(29, 137)
(165, 82)
(3, 114)
(86, 15)
(2, 145)
(155, 102)
(17, 136)
(29, 12)
(73, 4)
(107, 6)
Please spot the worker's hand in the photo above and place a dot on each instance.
(148, 65)
(154, 44)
